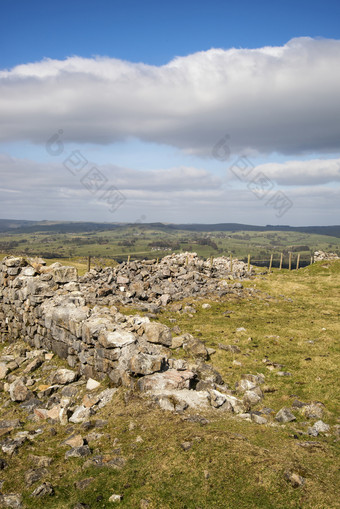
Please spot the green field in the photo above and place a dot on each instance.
(146, 241)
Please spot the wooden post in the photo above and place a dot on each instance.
(128, 260)
(248, 268)
(157, 261)
(281, 260)
(211, 261)
(311, 260)
(271, 262)
(231, 262)
(186, 261)
(290, 261)
(89, 264)
(298, 261)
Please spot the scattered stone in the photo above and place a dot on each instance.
(186, 445)
(206, 306)
(294, 479)
(34, 475)
(64, 376)
(318, 427)
(80, 414)
(78, 452)
(44, 489)
(18, 390)
(92, 384)
(73, 441)
(115, 498)
(229, 348)
(12, 500)
(285, 415)
(255, 417)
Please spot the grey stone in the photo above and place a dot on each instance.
(78, 452)
(64, 376)
(285, 415)
(18, 390)
(158, 333)
(44, 489)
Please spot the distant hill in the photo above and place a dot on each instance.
(22, 226)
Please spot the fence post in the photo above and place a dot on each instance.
(89, 264)
(281, 260)
(271, 262)
(211, 261)
(248, 269)
(298, 261)
(231, 262)
(128, 260)
(290, 261)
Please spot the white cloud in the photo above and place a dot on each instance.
(308, 173)
(273, 99)
(31, 190)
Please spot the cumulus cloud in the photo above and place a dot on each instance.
(273, 99)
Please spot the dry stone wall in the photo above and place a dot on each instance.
(51, 308)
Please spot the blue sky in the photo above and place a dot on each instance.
(159, 86)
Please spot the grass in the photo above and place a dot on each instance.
(232, 464)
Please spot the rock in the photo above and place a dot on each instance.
(158, 333)
(115, 498)
(195, 347)
(294, 479)
(78, 452)
(258, 418)
(105, 397)
(73, 441)
(217, 399)
(18, 390)
(285, 415)
(4, 370)
(92, 384)
(244, 385)
(251, 398)
(116, 339)
(144, 364)
(12, 500)
(206, 306)
(80, 414)
(64, 376)
(229, 348)
(41, 461)
(44, 489)
(34, 475)
(170, 379)
(318, 427)
(32, 366)
(235, 403)
(177, 342)
(64, 274)
(313, 410)
(186, 446)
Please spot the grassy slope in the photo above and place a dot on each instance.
(232, 463)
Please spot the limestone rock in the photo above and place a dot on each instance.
(158, 333)
(18, 390)
(64, 376)
(285, 415)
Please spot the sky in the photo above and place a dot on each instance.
(181, 112)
